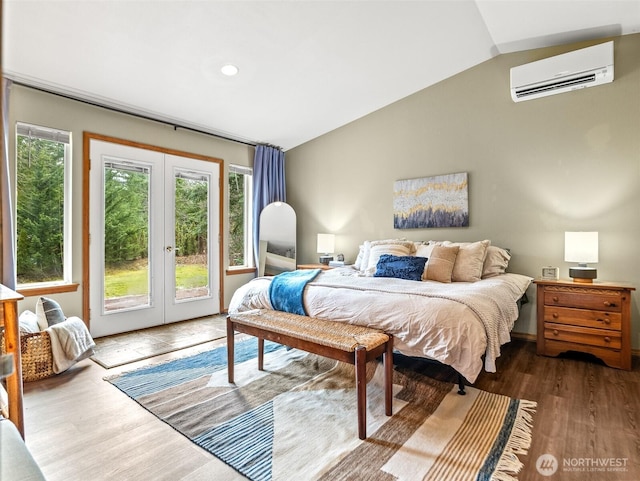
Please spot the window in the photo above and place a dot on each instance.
(43, 223)
(240, 222)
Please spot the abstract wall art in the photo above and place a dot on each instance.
(438, 201)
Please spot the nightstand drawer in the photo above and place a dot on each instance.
(595, 299)
(583, 335)
(583, 317)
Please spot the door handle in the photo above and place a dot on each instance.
(168, 248)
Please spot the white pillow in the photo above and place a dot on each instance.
(496, 262)
(358, 263)
(424, 250)
(366, 248)
(390, 246)
(28, 322)
(4, 402)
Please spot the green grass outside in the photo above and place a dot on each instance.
(133, 279)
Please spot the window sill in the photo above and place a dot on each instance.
(231, 271)
(51, 289)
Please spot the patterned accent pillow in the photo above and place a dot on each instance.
(400, 267)
(48, 312)
(440, 265)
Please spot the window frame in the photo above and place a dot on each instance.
(66, 284)
(249, 265)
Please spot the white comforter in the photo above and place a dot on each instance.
(455, 323)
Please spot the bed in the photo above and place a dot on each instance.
(458, 323)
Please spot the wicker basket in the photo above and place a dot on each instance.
(35, 350)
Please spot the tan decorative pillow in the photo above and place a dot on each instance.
(496, 262)
(393, 247)
(470, 261)
(440, 264)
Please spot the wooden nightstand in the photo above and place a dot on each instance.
(324, 267)
(592, 318)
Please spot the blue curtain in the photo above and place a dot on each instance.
(8, 253)
(268, 185)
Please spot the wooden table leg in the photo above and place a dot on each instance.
(14, 381)
(361, 390)
(230, 349)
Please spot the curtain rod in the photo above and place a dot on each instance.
(134, 114)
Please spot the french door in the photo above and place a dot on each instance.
(154, 237)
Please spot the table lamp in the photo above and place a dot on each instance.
(326, 245)
(581, 247)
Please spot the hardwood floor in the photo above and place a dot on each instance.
(588, 414)
(79, 427)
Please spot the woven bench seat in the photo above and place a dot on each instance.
(336, 340)
(338, 335)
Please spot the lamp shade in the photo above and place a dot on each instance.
(326, 243)
(581, 247)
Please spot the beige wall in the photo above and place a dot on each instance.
(32, 106)
(536, 169)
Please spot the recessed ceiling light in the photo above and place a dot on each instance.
(229, 70)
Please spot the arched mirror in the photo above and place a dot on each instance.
(277, 239)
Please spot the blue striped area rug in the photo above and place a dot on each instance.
(297, 419)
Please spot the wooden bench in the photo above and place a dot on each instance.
(336, 340)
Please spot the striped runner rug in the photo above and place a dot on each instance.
(297, 419)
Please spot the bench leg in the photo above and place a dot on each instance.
(260, 354)
(387, 362)
(230, 349)
(361, 390)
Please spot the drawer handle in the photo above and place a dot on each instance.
(606, 321)
(555, 315)
(607, 339)
(609, 304)
(555, 332)
(555, 298)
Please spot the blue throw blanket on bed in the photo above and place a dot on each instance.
(286, 289)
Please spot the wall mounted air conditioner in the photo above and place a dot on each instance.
(582, 68)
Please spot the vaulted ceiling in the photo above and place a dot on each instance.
(305, 67)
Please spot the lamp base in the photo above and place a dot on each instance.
(325, 260)
(586, 275)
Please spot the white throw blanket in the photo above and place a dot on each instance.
(70, 343)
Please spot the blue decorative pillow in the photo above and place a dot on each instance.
(400, 267)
